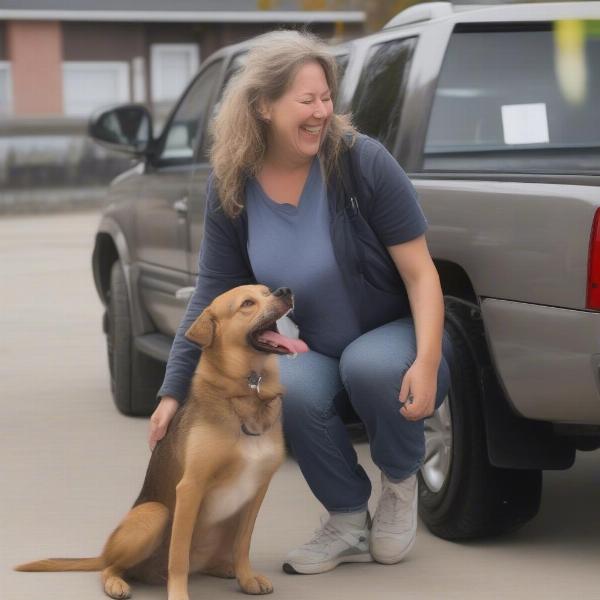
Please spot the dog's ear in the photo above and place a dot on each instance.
(202, 330)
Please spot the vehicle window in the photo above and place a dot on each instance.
(342, 64)
(519, 100)
(378, 98)
(342, 61)
(187, 122)
(235, 65)
(237, 62)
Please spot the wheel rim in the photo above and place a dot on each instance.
(438, 448)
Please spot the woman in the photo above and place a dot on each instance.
(273, 217)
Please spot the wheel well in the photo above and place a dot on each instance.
(105, 254)
(455, 281)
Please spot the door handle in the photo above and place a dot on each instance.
(181, 206)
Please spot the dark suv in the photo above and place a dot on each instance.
(493, 112)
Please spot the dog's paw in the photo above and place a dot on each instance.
(115, 587)
(256, 584)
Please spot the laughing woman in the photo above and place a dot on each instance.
(368, 297)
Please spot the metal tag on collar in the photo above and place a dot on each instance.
(254, 380)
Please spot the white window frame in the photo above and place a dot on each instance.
(5, 66)
(120, 67)
(138, 79)
(159, 94)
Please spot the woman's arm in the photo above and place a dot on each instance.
(413, 261)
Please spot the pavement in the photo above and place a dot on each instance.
(52, 200)
(72, 465)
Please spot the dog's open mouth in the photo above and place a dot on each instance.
(268, 339)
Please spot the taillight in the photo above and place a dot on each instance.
(593, 282)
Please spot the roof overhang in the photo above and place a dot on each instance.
(187, 16)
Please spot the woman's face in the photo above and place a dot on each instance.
(298, 119)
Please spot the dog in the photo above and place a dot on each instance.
(207, 477)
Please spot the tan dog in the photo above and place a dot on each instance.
(208, 476)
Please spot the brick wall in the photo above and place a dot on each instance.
(35, 52)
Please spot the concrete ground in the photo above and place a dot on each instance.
(44, 201)
(72, 465)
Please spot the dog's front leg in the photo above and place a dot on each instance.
(250, 582)
(189, 494)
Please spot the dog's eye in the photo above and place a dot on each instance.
(247, 303)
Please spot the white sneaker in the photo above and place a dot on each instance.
(337, 541)
(395, 521)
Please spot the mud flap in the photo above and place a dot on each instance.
(515, 442)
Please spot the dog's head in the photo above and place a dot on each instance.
(245, 318)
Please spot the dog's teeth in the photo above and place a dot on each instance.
(294, 355)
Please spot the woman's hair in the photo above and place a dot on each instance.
(240, 133)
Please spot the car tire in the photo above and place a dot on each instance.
(475, 499)
(135, 377)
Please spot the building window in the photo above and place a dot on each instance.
(90, 85)
(5, 89)
(172, 66)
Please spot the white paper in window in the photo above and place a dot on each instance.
(525, 124)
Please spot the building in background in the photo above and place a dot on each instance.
(61, 59)
(67, 57)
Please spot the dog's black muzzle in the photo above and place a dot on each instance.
(286, 295)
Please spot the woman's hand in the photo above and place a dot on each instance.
(418, 391)
(160, 419)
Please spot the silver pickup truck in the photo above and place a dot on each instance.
(494, 112)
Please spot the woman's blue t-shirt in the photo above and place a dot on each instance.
(290, 246)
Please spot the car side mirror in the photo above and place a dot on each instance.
(126, 128)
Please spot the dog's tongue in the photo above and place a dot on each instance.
(294, 346)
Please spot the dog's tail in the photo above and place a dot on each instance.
(64, 564)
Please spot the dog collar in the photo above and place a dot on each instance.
(254, 380)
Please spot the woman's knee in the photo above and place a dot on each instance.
(375, 364)
(368, 368)
(366, 382)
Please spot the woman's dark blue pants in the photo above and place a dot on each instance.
(367, 376)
